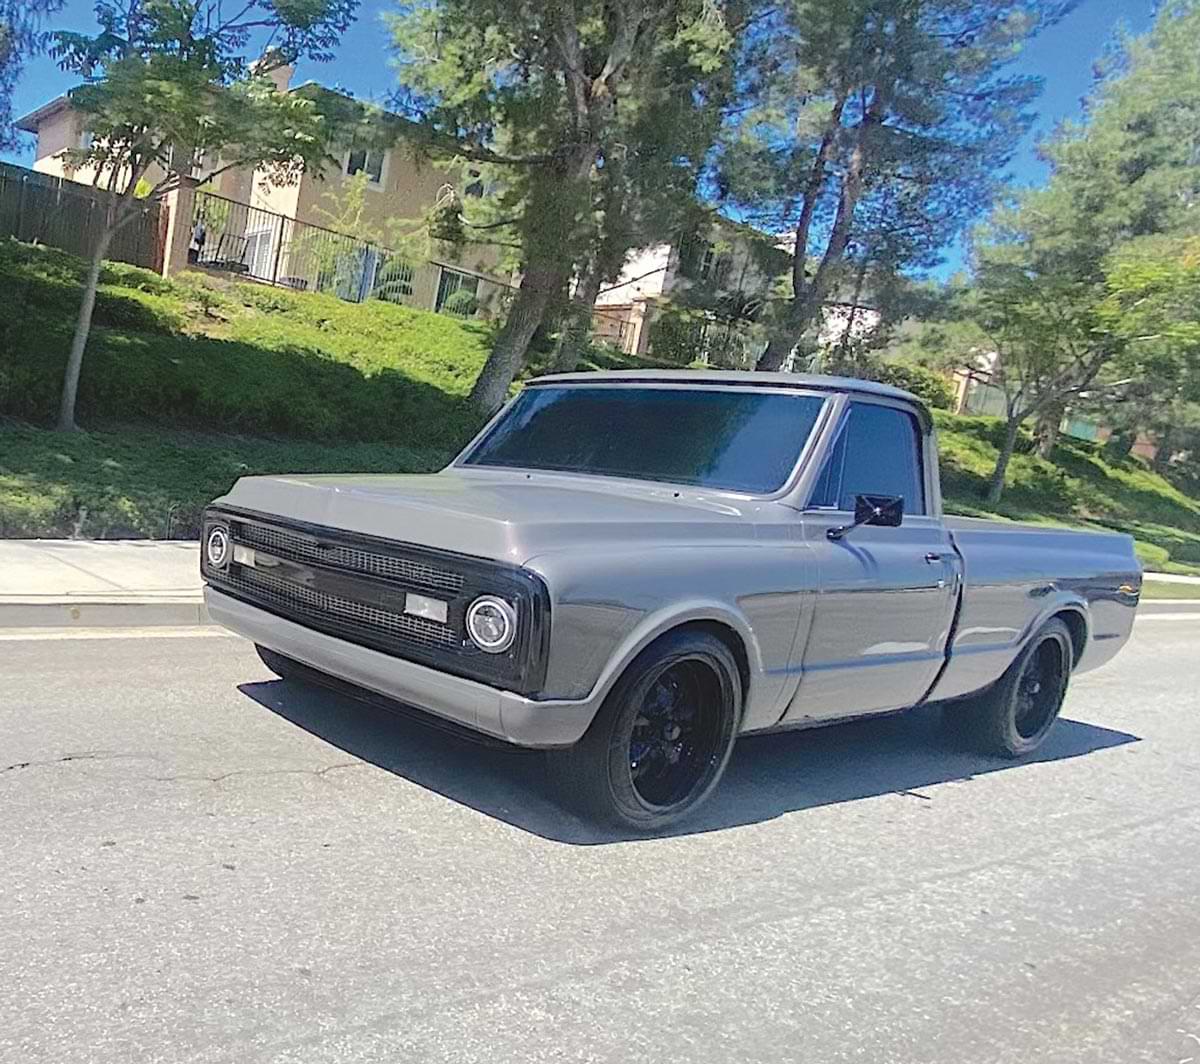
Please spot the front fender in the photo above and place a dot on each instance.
(607, 610)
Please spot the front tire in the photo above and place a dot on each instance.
(662, 740)
(1013, 717)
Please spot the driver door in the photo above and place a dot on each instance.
(886, 595)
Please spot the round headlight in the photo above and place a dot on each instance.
(491, 624)
(216, 547)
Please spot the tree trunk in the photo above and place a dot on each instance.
(776, 353)
(848, 358)
(578, 324)
(1047, 428)
(1163, 450)
(810, 295)
(547, 269)
(1120, 443)
(996, 484)
(538, 287)
(83, 326)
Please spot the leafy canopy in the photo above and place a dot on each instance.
(170, 86)
(21, 36)
(873, 131)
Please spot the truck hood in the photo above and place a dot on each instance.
(507, 515)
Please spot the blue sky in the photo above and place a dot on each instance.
(1063, 56)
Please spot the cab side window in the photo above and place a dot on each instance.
(878, 452)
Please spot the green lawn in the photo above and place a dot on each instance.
(1161, 589)
(234, 358)
(189, 384)
(1081, 486)
(152, 483)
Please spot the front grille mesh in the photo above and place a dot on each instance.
(290, 545)
(300, 601)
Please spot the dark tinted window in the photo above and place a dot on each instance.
(745, 441)
(877, 453)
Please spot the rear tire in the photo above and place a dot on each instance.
(1013, 717)
(662, 740)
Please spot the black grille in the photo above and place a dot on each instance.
(305, 602)
(353, 586)
(297, 547)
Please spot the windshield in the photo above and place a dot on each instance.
(745, 441)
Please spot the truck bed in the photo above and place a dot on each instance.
(1009, 569)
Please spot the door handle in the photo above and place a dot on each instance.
(933, 556)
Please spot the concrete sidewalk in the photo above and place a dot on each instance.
(65, 583)
(1172, 578)
(80, 583)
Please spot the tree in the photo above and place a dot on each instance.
(169, 94)
(20, 37)
(1078, 280)
(1152, 303)
(645, 193)
(1049, 343)
(872, 131)
(533, 91)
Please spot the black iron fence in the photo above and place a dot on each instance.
(41, 208)
(274, 248)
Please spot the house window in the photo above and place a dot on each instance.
(450, 284)
(394, 280)
(259, 256)
(715, 268)
(86, 139)
(368, 161)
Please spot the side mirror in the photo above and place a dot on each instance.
(884, 510)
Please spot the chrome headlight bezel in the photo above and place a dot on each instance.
(507, 614)
(218, 547)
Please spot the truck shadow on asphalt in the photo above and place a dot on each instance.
(768, 777)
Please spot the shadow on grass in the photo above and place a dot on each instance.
(225, 385)
(125, 482)
(769, 776)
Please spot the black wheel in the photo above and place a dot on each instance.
(283, 667)
(660, 743)
(1013, 717)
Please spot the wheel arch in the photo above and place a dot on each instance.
(729, 636)
(1077, 625)
(734, 631)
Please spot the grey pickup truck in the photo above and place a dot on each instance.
(632, 569)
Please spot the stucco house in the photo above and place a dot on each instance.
(724, 260)
(732, 264)
(279, 233)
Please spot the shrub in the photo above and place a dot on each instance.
(275, 363)
(461, 304)
(927, 385)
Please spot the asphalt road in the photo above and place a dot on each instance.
(200, 863)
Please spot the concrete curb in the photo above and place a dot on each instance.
(101, 612)
(1163, 606)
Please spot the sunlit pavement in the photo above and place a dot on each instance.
(201, 863)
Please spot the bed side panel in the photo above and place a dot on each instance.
(1016, 576)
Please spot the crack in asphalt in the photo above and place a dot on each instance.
(90, 755)
(102, 755)
(320, 773)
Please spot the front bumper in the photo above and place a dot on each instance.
(501, 714)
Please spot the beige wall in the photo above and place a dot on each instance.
(56, 134)
(63, 131)
(407, 190)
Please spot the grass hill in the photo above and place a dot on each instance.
(188, 384)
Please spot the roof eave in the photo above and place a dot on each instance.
(31, 122)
